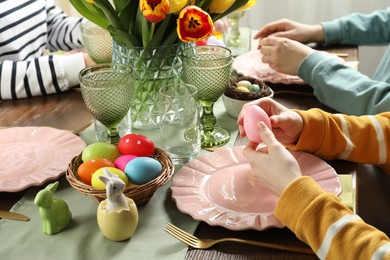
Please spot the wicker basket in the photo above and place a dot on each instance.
(141, 194)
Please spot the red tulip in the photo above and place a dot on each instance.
(194, 24)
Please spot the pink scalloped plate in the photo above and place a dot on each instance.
(218, 188)
(30, 156)
(250, 64)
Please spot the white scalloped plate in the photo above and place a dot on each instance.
(218, 188)
(30, 156)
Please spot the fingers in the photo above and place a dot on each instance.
(266, 134)
(273, 28)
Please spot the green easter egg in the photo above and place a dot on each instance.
(254, 88)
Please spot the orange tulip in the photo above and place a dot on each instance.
(194, 24)
(154, 10)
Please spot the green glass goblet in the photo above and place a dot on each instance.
(107, 90)
(208, 68)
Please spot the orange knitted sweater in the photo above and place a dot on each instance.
(320, 219)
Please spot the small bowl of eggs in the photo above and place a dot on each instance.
(143, 167)
(242, 90)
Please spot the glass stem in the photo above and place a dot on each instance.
(112, 132)
(208, 120)
(234, 20)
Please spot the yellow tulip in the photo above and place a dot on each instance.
(248, 5)
(154, 11)
(177, 5)
(220, 6)
(90, 1)
(194, 24)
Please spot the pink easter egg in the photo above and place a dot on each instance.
(122, 161)
(252, 116)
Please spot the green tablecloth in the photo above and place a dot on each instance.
(83, 239)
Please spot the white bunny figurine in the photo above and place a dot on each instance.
(116, 200)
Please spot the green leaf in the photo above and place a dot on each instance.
(90, 12)
(204, 4)
(123, 37)
(166, 30)
(120, 5)
(237, 4)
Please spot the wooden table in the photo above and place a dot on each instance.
(63, 111)
(67, 111)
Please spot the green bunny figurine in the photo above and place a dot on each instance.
(54, 211)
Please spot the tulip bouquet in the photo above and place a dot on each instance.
(150, 23)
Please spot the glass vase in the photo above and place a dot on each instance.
(153, 68)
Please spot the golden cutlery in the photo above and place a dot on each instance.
(195, 242)
(13, 215)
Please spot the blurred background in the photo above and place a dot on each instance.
(305, 11)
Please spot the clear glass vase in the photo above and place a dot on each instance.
(152, 68)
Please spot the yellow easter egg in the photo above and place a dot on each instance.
(98, 184)
(244, 83)
(243, 89)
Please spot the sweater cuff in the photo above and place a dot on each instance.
(332, 32)
(73, 64)
(308, 64)
(304, 190)
(313, 125)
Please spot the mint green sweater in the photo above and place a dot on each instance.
(342, 87)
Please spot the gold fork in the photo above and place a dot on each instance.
(195, 242)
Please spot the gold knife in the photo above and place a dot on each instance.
(13, 215)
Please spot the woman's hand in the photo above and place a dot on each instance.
(286, 124)
(274, 165)
(284, 55)
(300, 32)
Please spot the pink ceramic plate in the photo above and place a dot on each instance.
(30, 156)
(218, 188)
(250, 64)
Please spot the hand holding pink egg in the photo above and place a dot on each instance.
(252, 116)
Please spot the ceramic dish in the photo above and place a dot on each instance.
(218, 188)
(250, 64)
(30, 156)
(233, 106)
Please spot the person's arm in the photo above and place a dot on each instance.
(331, 229)
(359, 29)
(41, 76)
(63, 32)
(343, 88)
(363, 139)
(316, 217)
(24, 72)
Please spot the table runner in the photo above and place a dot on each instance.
(83, 239)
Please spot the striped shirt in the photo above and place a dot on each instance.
(27, 29)
(320, 219)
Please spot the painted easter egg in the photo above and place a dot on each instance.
(141, 170)
(252, 116)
